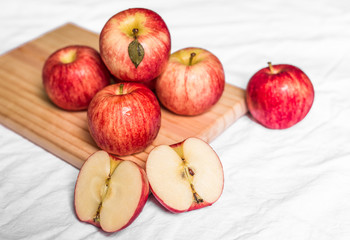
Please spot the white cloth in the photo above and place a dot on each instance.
(279, 184)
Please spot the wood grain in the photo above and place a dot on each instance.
(25, 108)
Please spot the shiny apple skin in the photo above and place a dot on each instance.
(124, 124)
(71, 86)
(153, 35)
(280, 98)
(191, 89)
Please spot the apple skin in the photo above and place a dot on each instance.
(191, 88)
(279, 96)
(73, 75)
(124, 124)
(141, 204)
(153, 35)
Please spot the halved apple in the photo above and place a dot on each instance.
(185, 176)
(110, 193)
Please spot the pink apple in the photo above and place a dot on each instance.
(109, 192)
(192, 82)
(279, 96)
(73, 75)
(135, 45)
(124, 118)
(185, 176)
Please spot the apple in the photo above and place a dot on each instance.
(124, 118)
(72, 75)
(279, 96)
(135, 45)
(192, 82)
(185, 176)
(109, 192)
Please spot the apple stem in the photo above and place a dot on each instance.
(135, 31)
(270, 66)
(193, 54)
(121, 86)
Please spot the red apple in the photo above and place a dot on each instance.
(73, 75)
(192, 82)
(135, 45)
(279, 96)
(185, 176)
(109, 192)
(124, 118)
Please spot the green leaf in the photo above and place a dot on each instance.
(136, 52)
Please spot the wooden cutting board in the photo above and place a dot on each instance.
(25, 108)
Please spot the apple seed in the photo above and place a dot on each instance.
(189, 173)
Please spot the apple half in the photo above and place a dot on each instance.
(185, 176)
(110, 193)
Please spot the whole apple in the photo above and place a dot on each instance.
(124, 118)
(73, 75)
(279, 96)
(135, 45)
(192, 82)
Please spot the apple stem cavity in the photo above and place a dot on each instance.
(193, 54)
(69, 57)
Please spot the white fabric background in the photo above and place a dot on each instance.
(290, 184)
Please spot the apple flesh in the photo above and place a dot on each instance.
(135, 45)
(185, 176)
(73, 75)
(279, 96)
(124, 118)
(192, 82)
(110, 193)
